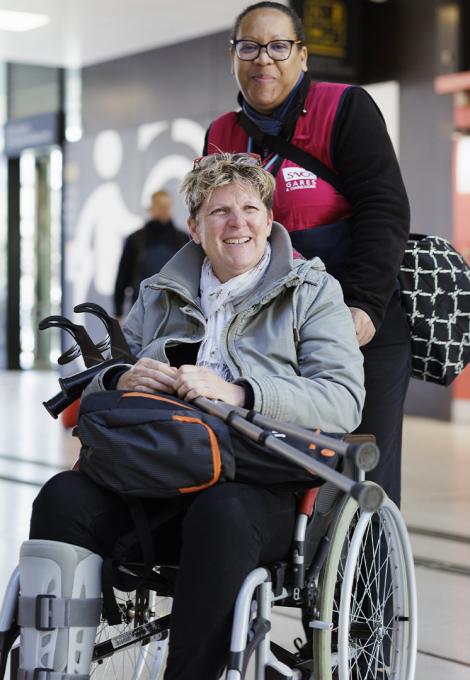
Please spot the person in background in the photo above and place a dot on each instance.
(359, 231)
(147, 250)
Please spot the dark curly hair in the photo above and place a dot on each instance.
(265, 4)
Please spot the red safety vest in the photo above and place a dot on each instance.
(301, 200)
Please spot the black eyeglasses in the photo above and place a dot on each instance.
(278, 50)
(240, 158)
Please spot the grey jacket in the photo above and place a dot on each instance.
(292, 340)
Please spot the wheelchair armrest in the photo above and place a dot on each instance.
(308, 501)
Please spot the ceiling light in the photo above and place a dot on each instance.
(21, 21)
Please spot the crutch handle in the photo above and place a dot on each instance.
(91, 354)
(58, 403)
(118, 342)
(73, 385)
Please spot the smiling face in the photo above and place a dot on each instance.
(232, 225)
(266, 83)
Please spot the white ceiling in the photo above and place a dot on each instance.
(83, 32)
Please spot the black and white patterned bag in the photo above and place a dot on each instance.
(435, 290)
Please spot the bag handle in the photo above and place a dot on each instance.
(290, 151)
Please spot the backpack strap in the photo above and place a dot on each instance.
(111, 575)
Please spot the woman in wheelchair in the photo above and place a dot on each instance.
(232, 316)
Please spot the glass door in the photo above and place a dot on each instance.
(40, 255)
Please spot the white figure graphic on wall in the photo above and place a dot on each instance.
(173, 166)
(92, 256)
(104, 221)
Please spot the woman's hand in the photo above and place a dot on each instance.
(148, 375)
(199, 381)
(365, 329)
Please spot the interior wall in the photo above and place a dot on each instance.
(425, 155)
(191, 79)
(144, 118)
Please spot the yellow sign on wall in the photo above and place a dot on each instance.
(325, 23)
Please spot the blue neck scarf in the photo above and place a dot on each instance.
(272, 124)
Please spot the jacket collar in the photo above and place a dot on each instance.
(183, 272)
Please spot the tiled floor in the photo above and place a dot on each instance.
(436, 499)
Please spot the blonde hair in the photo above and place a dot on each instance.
(218, 170)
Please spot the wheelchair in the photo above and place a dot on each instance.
(350, 573)
(350, 576)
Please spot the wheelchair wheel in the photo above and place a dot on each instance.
(367, 594)
(136, 649)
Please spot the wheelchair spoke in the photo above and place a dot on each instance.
(123, 651)
(367, 600)
(369, 657)
(373, 593)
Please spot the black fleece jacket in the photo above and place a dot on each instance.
(364, 158)
(144, 254)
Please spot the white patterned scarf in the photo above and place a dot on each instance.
(217, 303)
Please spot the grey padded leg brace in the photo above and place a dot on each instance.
(59, 610)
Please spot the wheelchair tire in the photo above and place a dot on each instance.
(367, 593)
(124, 652)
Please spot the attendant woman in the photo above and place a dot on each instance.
(359, 230)
(231, 316)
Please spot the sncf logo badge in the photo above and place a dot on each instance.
(298, 178)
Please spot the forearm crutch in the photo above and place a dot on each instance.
(368, 497)
(250, 424)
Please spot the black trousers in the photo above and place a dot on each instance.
(220, 535)
(387, 369)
